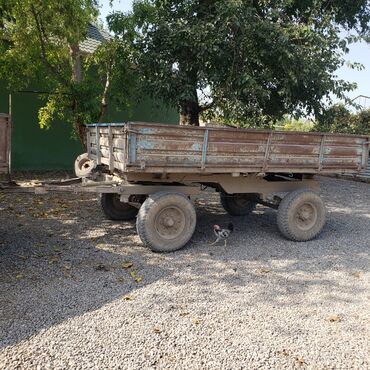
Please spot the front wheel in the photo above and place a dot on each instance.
(166, 221)
(301, 215)
(114, 209)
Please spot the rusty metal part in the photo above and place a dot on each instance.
(155, 148)
(229, 184)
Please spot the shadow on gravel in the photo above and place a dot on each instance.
(60, 258)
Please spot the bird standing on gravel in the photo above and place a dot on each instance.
(222, 234)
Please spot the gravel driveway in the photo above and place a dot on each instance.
(80, 292)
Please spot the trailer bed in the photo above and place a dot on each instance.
(157, 148)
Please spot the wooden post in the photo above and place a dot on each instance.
(9, 154)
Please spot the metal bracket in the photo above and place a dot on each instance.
(321, 154)
(267, 152)
(132, 147)
(98, 154)
(204, 150)
(111, 156)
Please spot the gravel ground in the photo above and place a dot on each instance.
(80, 292)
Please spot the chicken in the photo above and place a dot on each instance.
(222, 234)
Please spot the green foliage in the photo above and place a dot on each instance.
(40, 44)
(338, 118)
(292, 124)
(239, 60)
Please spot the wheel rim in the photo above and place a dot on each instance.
(85, 164)
(306, 216)
(170, 222)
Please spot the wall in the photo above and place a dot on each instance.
(40, 149)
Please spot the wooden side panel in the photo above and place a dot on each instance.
(156, 148)
(4, 143)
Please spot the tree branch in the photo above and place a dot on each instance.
(40, 33)
(104, 99)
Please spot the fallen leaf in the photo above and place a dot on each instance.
(22, 257)
(157, 330)
(67, 267)
(135, 277)
(264, 270)
(195, 321)
(182, 314)
(120, 279)
(19, 276)
(128, 298)
(335, 318)
(356, 274)
(102, 246)
(127, 265)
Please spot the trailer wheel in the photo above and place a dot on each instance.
(114, 209)
(83, 165)
(166, 221)
(301, 215)
(237, 204)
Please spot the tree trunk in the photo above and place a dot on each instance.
(74, 51)
(80, 128)
(81, 132)
(77, 76)
(189, 113)
(104, 99)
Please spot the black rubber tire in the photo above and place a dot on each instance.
(152, 215)
(289, 217)
(116, 210)
(237, 204)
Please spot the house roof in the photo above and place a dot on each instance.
(95, 37)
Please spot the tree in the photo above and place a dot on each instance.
(292, 124)
(242, 61)
(338, 118)
(40, 43)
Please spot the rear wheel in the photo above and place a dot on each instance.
(237, 204)
(114, 209)
(166, 221)
(301, 215)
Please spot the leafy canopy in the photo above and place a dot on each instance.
(40, 47)
(339, 118)
(241, 60)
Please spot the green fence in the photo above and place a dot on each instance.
(40, 149)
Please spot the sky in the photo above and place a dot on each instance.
(359, 52)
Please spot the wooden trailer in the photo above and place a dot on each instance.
(156, 169)
(152, 172)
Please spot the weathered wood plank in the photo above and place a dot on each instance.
(158, 148)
